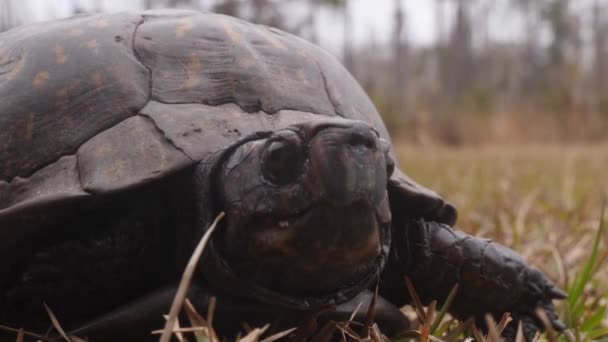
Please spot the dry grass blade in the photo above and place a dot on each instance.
(375, 334)
(477, 333)
(56, 323)
(20, 335)
(348, 331)
(425, 330)
(561, 269)
(504, 321)
(25, 333)
(417, 302)
(542, 315)
(569, 335)
(254, 335)
(522, 213)
(180, 295)
(519, 336)
(278, 336)
(176, 329)
(493, 334)
(183, 330)
(197, 320)
(354, 313)
(210, 312)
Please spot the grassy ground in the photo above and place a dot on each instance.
(543, 201)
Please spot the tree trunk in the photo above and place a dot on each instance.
(400, 59)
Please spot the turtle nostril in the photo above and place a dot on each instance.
(358, 139)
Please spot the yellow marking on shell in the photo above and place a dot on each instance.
(116, 169)
(101, 150)
(29, 127)
(185, 26)
(193, 68)
(40, 78)
(99, 23)
(97, 78)
(75, 32)
(93, 46)
(270, 37)
(66, 90)
(230, 31)
(60, 56)
(245, 62)
(302, 77)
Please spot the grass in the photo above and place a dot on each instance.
(546, 202)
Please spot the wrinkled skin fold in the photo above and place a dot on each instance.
(491, 277)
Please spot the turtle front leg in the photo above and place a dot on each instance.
(492, 278)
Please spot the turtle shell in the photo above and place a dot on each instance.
(95, 105)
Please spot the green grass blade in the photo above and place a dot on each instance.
(594, 321)
(594, 335)
(444, 309)
(581, 280)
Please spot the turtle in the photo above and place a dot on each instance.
(124, 135)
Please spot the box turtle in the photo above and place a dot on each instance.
(124, 135)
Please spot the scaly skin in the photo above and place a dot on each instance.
(492, 278)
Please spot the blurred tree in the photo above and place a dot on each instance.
(600, 56)
(560, 22)
(347, 50)
(194, 4)
(400, 58)
(187, 4)
(474, 69)
(228, 7)
(264, 12)
(457, 68)
(8, 15)
(529, 64)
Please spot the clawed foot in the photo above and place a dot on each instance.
(539, 295)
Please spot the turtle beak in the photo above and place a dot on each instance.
(350, 164)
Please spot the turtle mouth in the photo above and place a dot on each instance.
(281, 222)
(282, 262)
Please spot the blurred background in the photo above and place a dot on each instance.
(439, 71)
(501, 106)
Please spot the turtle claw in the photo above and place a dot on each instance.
(556, 293)
(543, 317)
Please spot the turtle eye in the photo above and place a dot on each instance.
(281, 162)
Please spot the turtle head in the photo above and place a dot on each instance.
(308, 216)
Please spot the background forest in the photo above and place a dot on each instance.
(493, 71)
